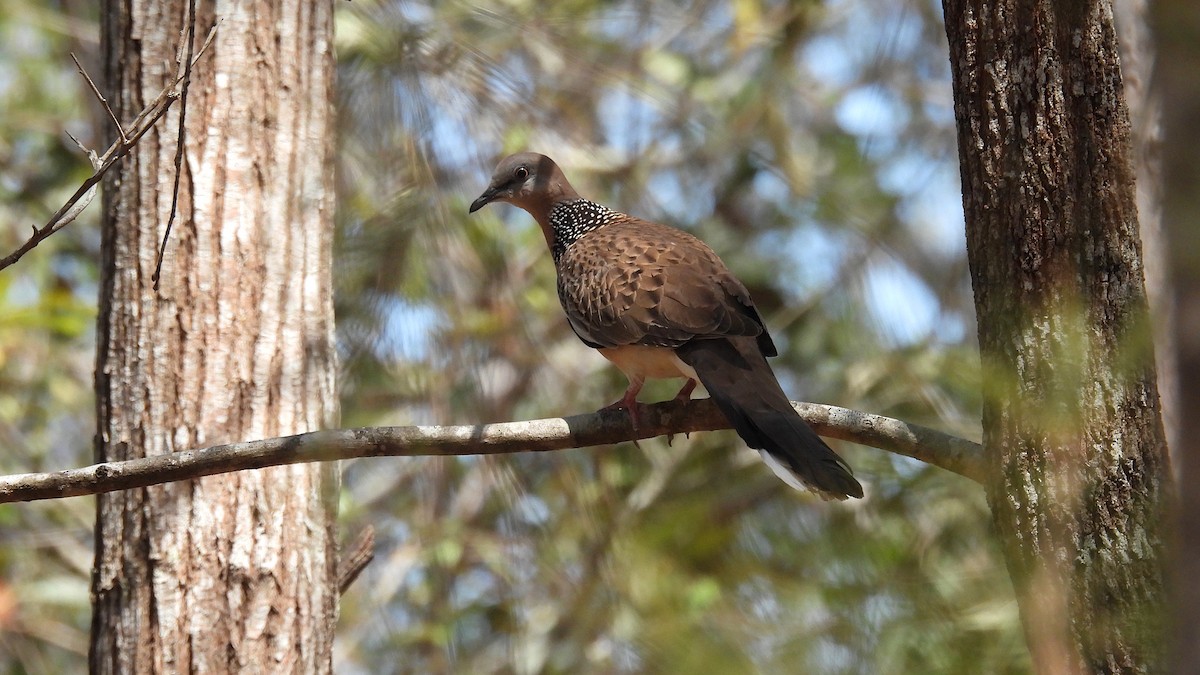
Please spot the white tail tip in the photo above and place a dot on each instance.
(785, 474)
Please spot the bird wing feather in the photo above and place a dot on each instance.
(637, 282)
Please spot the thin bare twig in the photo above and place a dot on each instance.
(145, 120)
(356, 559)
(91, 154)
(189, 38)
(100, 97)
(601, 428)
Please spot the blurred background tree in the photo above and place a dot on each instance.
(812, 144)
(47, 332)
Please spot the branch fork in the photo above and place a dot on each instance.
(127, 140)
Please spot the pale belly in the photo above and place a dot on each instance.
(639, 362)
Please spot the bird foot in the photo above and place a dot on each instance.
(629, 403)
(631, 406)
(684, 395)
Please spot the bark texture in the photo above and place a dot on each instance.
(232, 573)
(1077, 463)
(1137, 46)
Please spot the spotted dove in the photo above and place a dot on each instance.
(659, 303)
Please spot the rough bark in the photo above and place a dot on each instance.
(1177, 24)
(1145, 116)
(234, 572)
(1077, 466)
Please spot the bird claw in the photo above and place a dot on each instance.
(632, 408)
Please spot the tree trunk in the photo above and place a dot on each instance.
(236, 572)
(1137, 46)
(1078, 470)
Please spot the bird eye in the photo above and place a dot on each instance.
(522, 173)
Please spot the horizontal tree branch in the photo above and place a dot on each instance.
(600, 428)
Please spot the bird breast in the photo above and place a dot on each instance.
(642, 362)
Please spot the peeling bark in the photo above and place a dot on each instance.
(1077, 463)
(234, 572)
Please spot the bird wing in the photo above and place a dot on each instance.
(643, 283)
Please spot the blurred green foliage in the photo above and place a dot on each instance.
(47, 335)
(810, 143)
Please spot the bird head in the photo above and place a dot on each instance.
(528, 180)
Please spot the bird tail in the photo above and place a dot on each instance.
(737, 376)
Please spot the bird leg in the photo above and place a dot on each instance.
(629, 400)
(685, 394)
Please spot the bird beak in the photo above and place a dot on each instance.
(484, 199)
